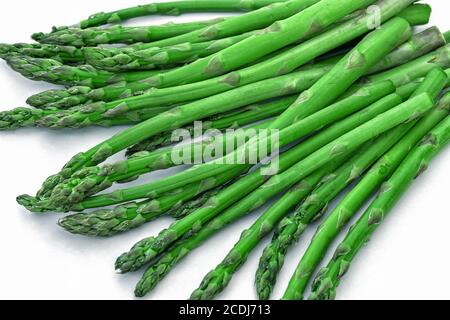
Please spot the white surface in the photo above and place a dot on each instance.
(405, 260)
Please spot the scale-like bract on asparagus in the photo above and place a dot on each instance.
(390, 193)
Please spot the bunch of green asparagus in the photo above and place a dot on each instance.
(353, 99)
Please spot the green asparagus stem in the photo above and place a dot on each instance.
(149, 248)
(55, 72)
(419, 45)
(353, 201)
(66, 194)
(109, 222)
(26, 117)
(282, 33)
(233, 120)
(417, 14)
(391, 191)
(281, 64)
(169, 259)
(119, 34)
(292, 227)
(417, 68)
(173, 8)
(63, 54)
(251, 21)
(127, 59)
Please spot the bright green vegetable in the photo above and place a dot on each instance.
(173, 8)
(109, 222)
(66, 194)
(119, 34)
(283, 63)
(64, 54)
(391, 191)
(233, 120)
(350, 205)
(127, 59)
(149, 248)
(292, 227)
(55, 72)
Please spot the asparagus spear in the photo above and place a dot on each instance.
(52, 71)
(419, 45)
(292, 227)
(66, 193)
(119, 34)
(173, 8)
(391, 191)
(63, 54)
(240, 118)
(109, 222)
(281, 64)
(280, 34)
(146, 250)
(26, 117)
(126, 59)
(353, 201)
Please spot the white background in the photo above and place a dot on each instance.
(407, 259)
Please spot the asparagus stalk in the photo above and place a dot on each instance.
(353, 201)
(26, 117)
(392, 190)
(147, 249)
(280, 34)
(417, 14)
(126, 59)
(119, 34)
(240, 118)
(281, 64)
(292, 227)
(52, 71)
(63, 54)
(123, 218)
(169, 259)
(66, 193)
(419, 45)
(173, 8)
